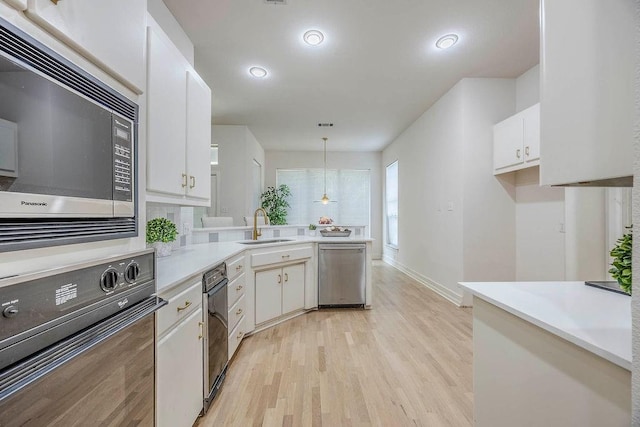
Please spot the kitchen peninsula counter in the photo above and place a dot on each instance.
(196, 259)
(555, 352)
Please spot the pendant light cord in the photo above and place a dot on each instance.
(325, 165)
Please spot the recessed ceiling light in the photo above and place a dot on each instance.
(445, 42)
(258, 72)
(313, 37)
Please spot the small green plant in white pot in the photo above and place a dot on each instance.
(312, 229)
(160, 233)
(621, 265)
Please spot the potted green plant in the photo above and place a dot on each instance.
(274, 201)
(312, 229)
(160, 233)
(621, 265)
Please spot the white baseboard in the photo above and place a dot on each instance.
(441, 290)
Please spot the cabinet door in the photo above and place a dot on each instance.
(586, 90)
(111, 33)
(507, 143)
(292, 288)
(166, 117)
(198, 137)
(531, 134)
(179, 372)
(268, 295)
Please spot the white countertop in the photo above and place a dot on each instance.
(196, 259)
(594, 319)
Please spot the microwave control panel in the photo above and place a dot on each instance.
(122, 159)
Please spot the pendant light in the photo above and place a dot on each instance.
(325, 199)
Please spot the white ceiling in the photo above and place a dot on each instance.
(376, 72)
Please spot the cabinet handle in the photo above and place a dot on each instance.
(239, 312)
(184, 180)
(193, 181)
(238, 287)
(518, 153)
(286, 277)
(201, 330)
(55, 2)
(187, 304)
(285, 256)
(239, 336)
(526, 150)
(238, 268)
(279, 278)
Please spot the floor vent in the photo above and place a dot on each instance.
(275, 1)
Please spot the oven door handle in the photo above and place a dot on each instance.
(35, 367)
(216, 288)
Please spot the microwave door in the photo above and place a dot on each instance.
(60, 144)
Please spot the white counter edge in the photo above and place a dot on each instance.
(550, 327)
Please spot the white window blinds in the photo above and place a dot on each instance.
(348, 189)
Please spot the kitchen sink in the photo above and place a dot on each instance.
(263, 242)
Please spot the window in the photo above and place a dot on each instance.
(214, 154)
(348, 189)
(391, 199)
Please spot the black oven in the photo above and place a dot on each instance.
(67, 150)
(77, 345)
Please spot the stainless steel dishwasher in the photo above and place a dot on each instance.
(341, 275)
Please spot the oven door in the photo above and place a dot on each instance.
(103, 375)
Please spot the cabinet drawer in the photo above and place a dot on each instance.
(236, 312)
(235, 267)
(235, 289)
(281, 255)
(180, 306)
(235, 337)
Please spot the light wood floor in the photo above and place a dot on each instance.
(406, 362)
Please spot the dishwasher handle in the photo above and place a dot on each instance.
(340, 246)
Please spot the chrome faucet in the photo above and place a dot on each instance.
(256, 232)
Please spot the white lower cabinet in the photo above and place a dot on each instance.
(179, 358)
(279, 291)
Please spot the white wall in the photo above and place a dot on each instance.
(237, 147)
(172, 28)
(336, 160)
(448, 232)
(540, 244)
(489, 210)
(528, 89)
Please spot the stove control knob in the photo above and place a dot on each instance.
(10, 311)
(132, 272)
(109, 280)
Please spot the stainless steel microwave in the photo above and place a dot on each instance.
(67, 150)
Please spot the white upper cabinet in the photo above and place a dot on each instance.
(587, 90)
(109, 33)
(198, 137)
(178, 126)
(166, 117)
(516, 141)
